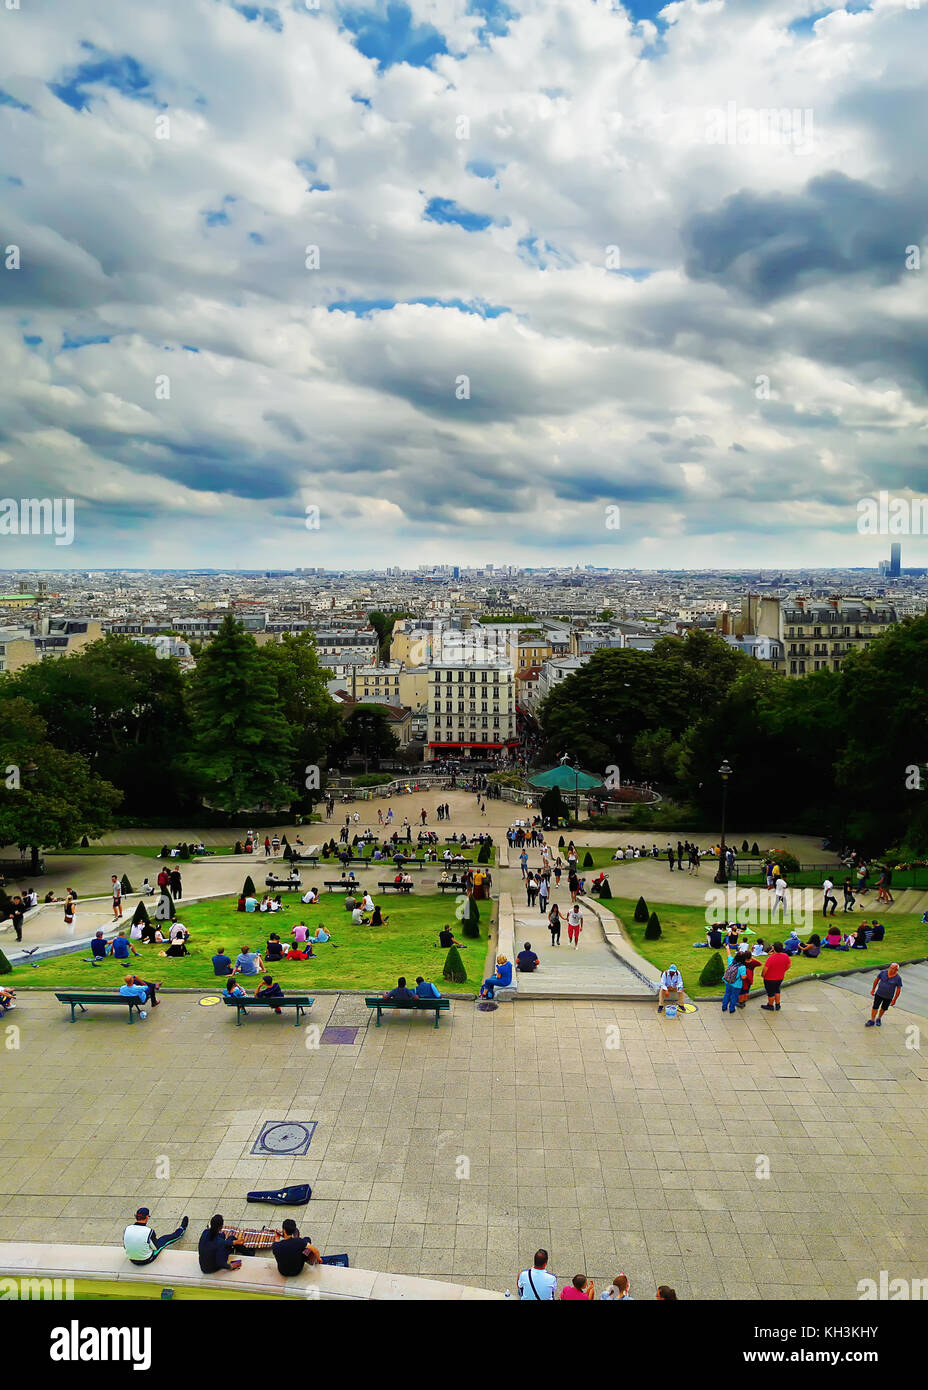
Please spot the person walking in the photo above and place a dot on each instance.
(543, 895)
(531, 890)
(670, 857)
(774, 971)
(574, 925)
(733, 978)
(554, 924)
(850, 902)
(883, 895)
(828, 889)
(885, 990)
(140, 1242)
(117, 898)
(18, 916)
(176, 885)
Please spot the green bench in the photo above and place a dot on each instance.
(420, 1005)
(98, 997)
(300, 1002)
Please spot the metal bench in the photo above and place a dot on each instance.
(79, 999)
(416, 1005)
(400, 887)
(300, 1002)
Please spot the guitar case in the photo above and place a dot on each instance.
(295, 1196)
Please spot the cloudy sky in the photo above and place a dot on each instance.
(463, 275)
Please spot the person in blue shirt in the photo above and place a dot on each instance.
(501, 980)
(131, 990)
(98, 947)
(247, 963)
(792, 943)
(401, 991)
(222, 965)
(121, 947)
(425, 990)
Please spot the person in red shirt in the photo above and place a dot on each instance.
(580, 1287)
(775, 967)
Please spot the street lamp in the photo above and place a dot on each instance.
(724, 772)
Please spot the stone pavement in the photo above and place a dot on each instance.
(592, 971)
(914, 997)
(617, 1138)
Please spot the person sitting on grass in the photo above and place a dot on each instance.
(351, 902)
(812, 947)
(269, 990)
(121, 948)
(834, 940)
(300, 950)
(792, 944)
(859, 939)
(274, 950)
(222, 965)
(877, 932)
(378, 919)
(321, 935)
(247, 963)
(358, 918)
(501, 980)
(98, 947)
(446, 939)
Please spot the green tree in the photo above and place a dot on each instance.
(58, 798)
(7, 969)
(641, 910)
(553, 807)
(241, 746)
(313, 716)
(248, 887)
(124, 884)
(121, 706)
(366, 734)
(382, 623)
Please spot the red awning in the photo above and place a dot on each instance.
(513, 744)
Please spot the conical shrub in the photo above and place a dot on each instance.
(653, 930)
(7, 969)
(454, 967)
(125, 884)
(140, 915)
(713, 972)
(248, 887)
(641, 911)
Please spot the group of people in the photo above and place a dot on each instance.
(249, 962)
(219, 1244)
(538, 1284)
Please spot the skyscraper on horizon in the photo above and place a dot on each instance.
(895, 559)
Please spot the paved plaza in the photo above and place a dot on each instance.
(617, 1138)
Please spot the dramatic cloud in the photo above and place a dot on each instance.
(462, 274)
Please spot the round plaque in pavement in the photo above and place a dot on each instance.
(284, 1137)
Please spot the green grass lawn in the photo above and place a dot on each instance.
(369, 958)
(906, 939)
(144, 851)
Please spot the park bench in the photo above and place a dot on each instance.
(334, 884)
(420, 1005)
(451, 887)
(78, 1000)
(400, 887)
(292, 883)
(300, 1002)
(406, 864)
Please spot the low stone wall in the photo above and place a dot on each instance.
(258, 1275)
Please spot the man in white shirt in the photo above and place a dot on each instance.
(671, 983)
(537, 1284)
(779, 896)
(367, 903)
(574, 925)
(140, 1242)
(828, 888)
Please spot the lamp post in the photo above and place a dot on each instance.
(724, 772)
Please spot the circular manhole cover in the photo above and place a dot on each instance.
(286, 1137)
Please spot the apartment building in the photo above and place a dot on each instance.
(401, 684)
(813, 634)
(23, 646)
(471, 709)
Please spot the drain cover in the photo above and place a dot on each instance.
(284, 1138)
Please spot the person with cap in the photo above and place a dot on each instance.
(671, 983)
(140, 1242)
(885, 989)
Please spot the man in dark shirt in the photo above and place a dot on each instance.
(215, 1249)
(526, 959)
(714, 937)
(294, 1251)
(222, 964)
(401, 992)
(98, 946)
(269, 990)
(446, 938)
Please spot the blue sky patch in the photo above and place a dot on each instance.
(31, 339)
(7, 100)
(361, 308)
(216, 217)
(123, 73)
(496, 16)
(482, 169)
(446, 210)
(256, 15)
(70, 344)
(393, 38)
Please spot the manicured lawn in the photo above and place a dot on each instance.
(369, 958)
(906, 939)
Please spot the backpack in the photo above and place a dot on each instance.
(731, 974)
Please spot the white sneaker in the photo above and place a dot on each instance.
(143, 1013)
